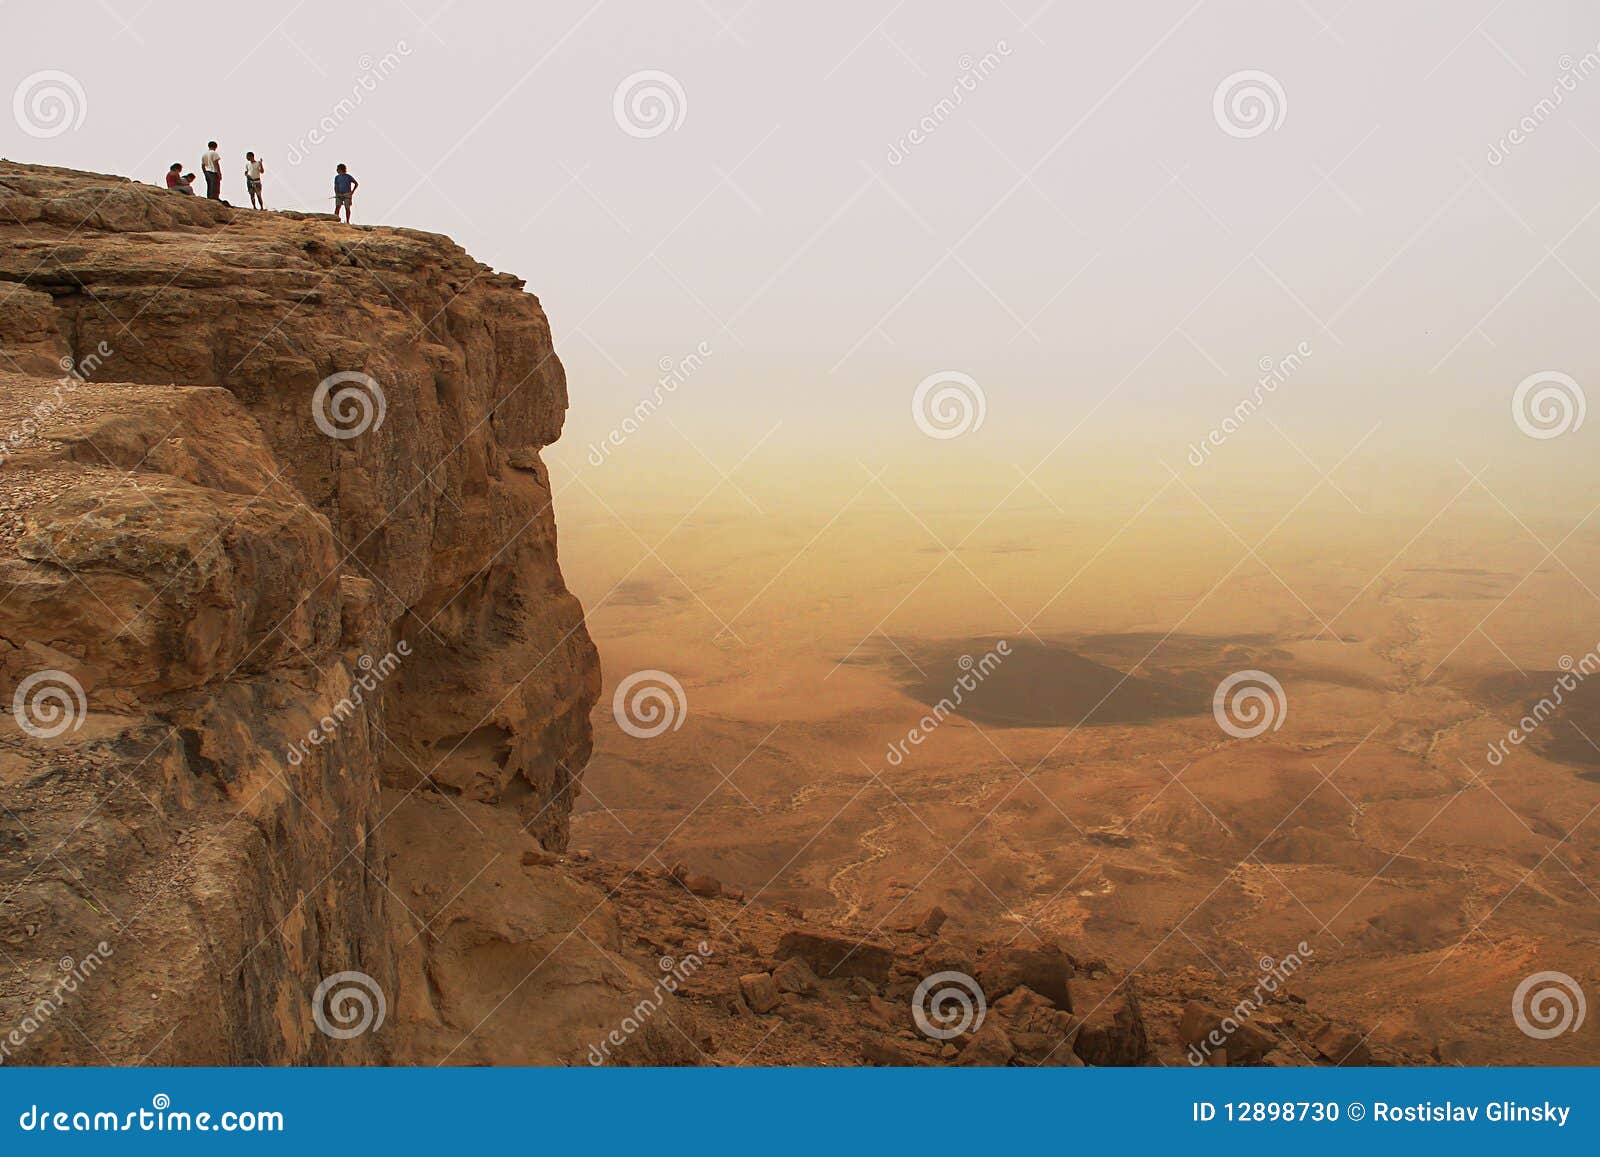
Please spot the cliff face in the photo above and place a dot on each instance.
(296, 685)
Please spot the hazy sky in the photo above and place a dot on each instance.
(1081, 229)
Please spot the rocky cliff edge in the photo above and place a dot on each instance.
(295, 681)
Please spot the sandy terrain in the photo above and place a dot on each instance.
(1084, 786)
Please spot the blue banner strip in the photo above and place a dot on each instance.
(802, 1111)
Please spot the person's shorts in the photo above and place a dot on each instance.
(253, 185)
(341, 199)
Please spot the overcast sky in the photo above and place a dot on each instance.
(1084, 228)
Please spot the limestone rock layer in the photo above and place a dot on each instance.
(295, 680)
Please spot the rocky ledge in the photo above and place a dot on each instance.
(749, 983)
(290, 659)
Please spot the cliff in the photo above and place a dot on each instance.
(296, 683)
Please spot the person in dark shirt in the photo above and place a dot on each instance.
(179, 181)
(344, 191)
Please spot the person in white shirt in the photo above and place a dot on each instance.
(211, 166)
(253, 168)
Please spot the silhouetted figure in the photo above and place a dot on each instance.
(344, 191)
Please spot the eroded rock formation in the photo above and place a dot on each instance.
(320, 685)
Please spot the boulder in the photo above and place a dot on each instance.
(890, 1015)
(1112, 1028)
(1341, 1045)
(759, 992)
(707, 886)
(1041, 1033)
(833, 957)
(989, 1047)
(879, 1051)
(1045, 1050)
(1045, 969)
(794, 975)
(862, 987)
(805, 1011)
(926, 923)
(945, 955)
(1207, 1029)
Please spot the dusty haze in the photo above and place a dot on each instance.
(1249, 402)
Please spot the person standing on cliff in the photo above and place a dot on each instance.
(344, 191)
(253, 169)
(211, 166)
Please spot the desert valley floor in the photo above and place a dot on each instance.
(1085, 789)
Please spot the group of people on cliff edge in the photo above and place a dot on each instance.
(344, 185)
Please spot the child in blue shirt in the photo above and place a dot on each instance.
(344, 191)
